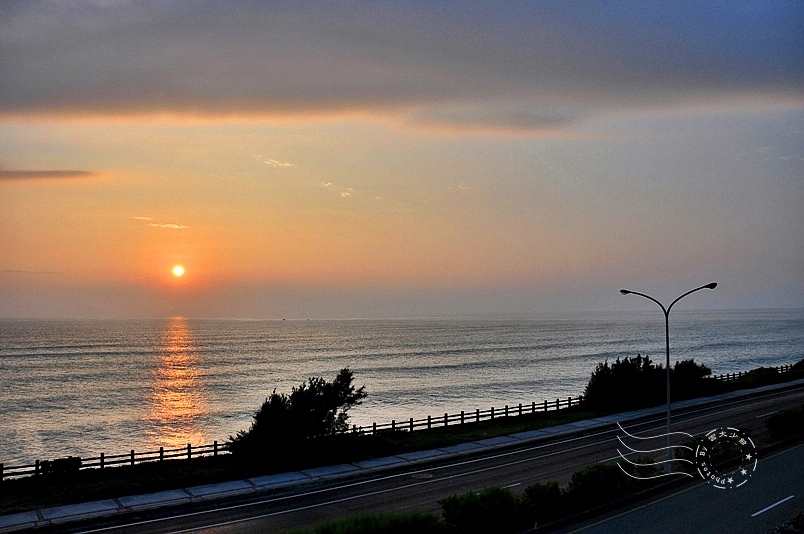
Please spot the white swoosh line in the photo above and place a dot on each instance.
(655, 476)
(653, 437)
(654, 450)
(654, 463)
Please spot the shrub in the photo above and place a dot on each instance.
(314, 409)
(491, 510)
(61, 466)
(402, 523)
(761, 376)
(688, 380)
(597, 484)
(638, 382)
(625, 384)
(545, 501)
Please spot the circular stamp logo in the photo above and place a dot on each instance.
(726, 457)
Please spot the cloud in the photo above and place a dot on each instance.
(329, 186)
(45, 174)
(21, 271)
(510, 66)
(497, 116)
(169, 226)
(275, 163)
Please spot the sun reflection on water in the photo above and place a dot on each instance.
(178, 401)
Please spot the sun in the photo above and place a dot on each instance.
(178, 271)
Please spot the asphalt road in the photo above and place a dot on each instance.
(421, 488)
(772, 496)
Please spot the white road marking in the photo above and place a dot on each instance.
(766, 414)
(774, 505)
(513, 485)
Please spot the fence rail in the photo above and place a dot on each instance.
(728, 377)
(463, 417)
(72, 464)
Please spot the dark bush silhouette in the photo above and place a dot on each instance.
(638, 382)
(394, 523)
(491, 510)
(597, 484)
(545, 501)
(688, 380)
(60, 467)
(625, 384)
(314, 409)
(498, 510)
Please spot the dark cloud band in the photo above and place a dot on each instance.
(250, 58)
(45, 175)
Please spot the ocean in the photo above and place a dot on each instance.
(86, 387)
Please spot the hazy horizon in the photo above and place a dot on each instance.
(401, 159)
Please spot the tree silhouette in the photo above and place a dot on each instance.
(314, 409)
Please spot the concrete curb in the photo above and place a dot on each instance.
(210, 492)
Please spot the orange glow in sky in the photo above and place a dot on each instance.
(410, 161)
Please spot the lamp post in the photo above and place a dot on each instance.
(666, 311)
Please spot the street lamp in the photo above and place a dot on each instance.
(666, 311)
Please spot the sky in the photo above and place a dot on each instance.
(398, 159)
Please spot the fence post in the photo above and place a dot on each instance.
(189, 451)
(393, 424)
(429, 423)
(492, 412)
(215, 448)
(132, 456)
(36, 468)
(411, 424)
(545, 405)
(101, 461)
(374, 427)
(569, 402)
(1, 472)
(161, 453)
(533, 407)
(520, 408)
(461, 416)
(477, 415)
(557, 407)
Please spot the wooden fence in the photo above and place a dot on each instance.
(728, 377)
(468, 417)
(63, 465)
(73, 463)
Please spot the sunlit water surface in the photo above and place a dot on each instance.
(85, 387)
